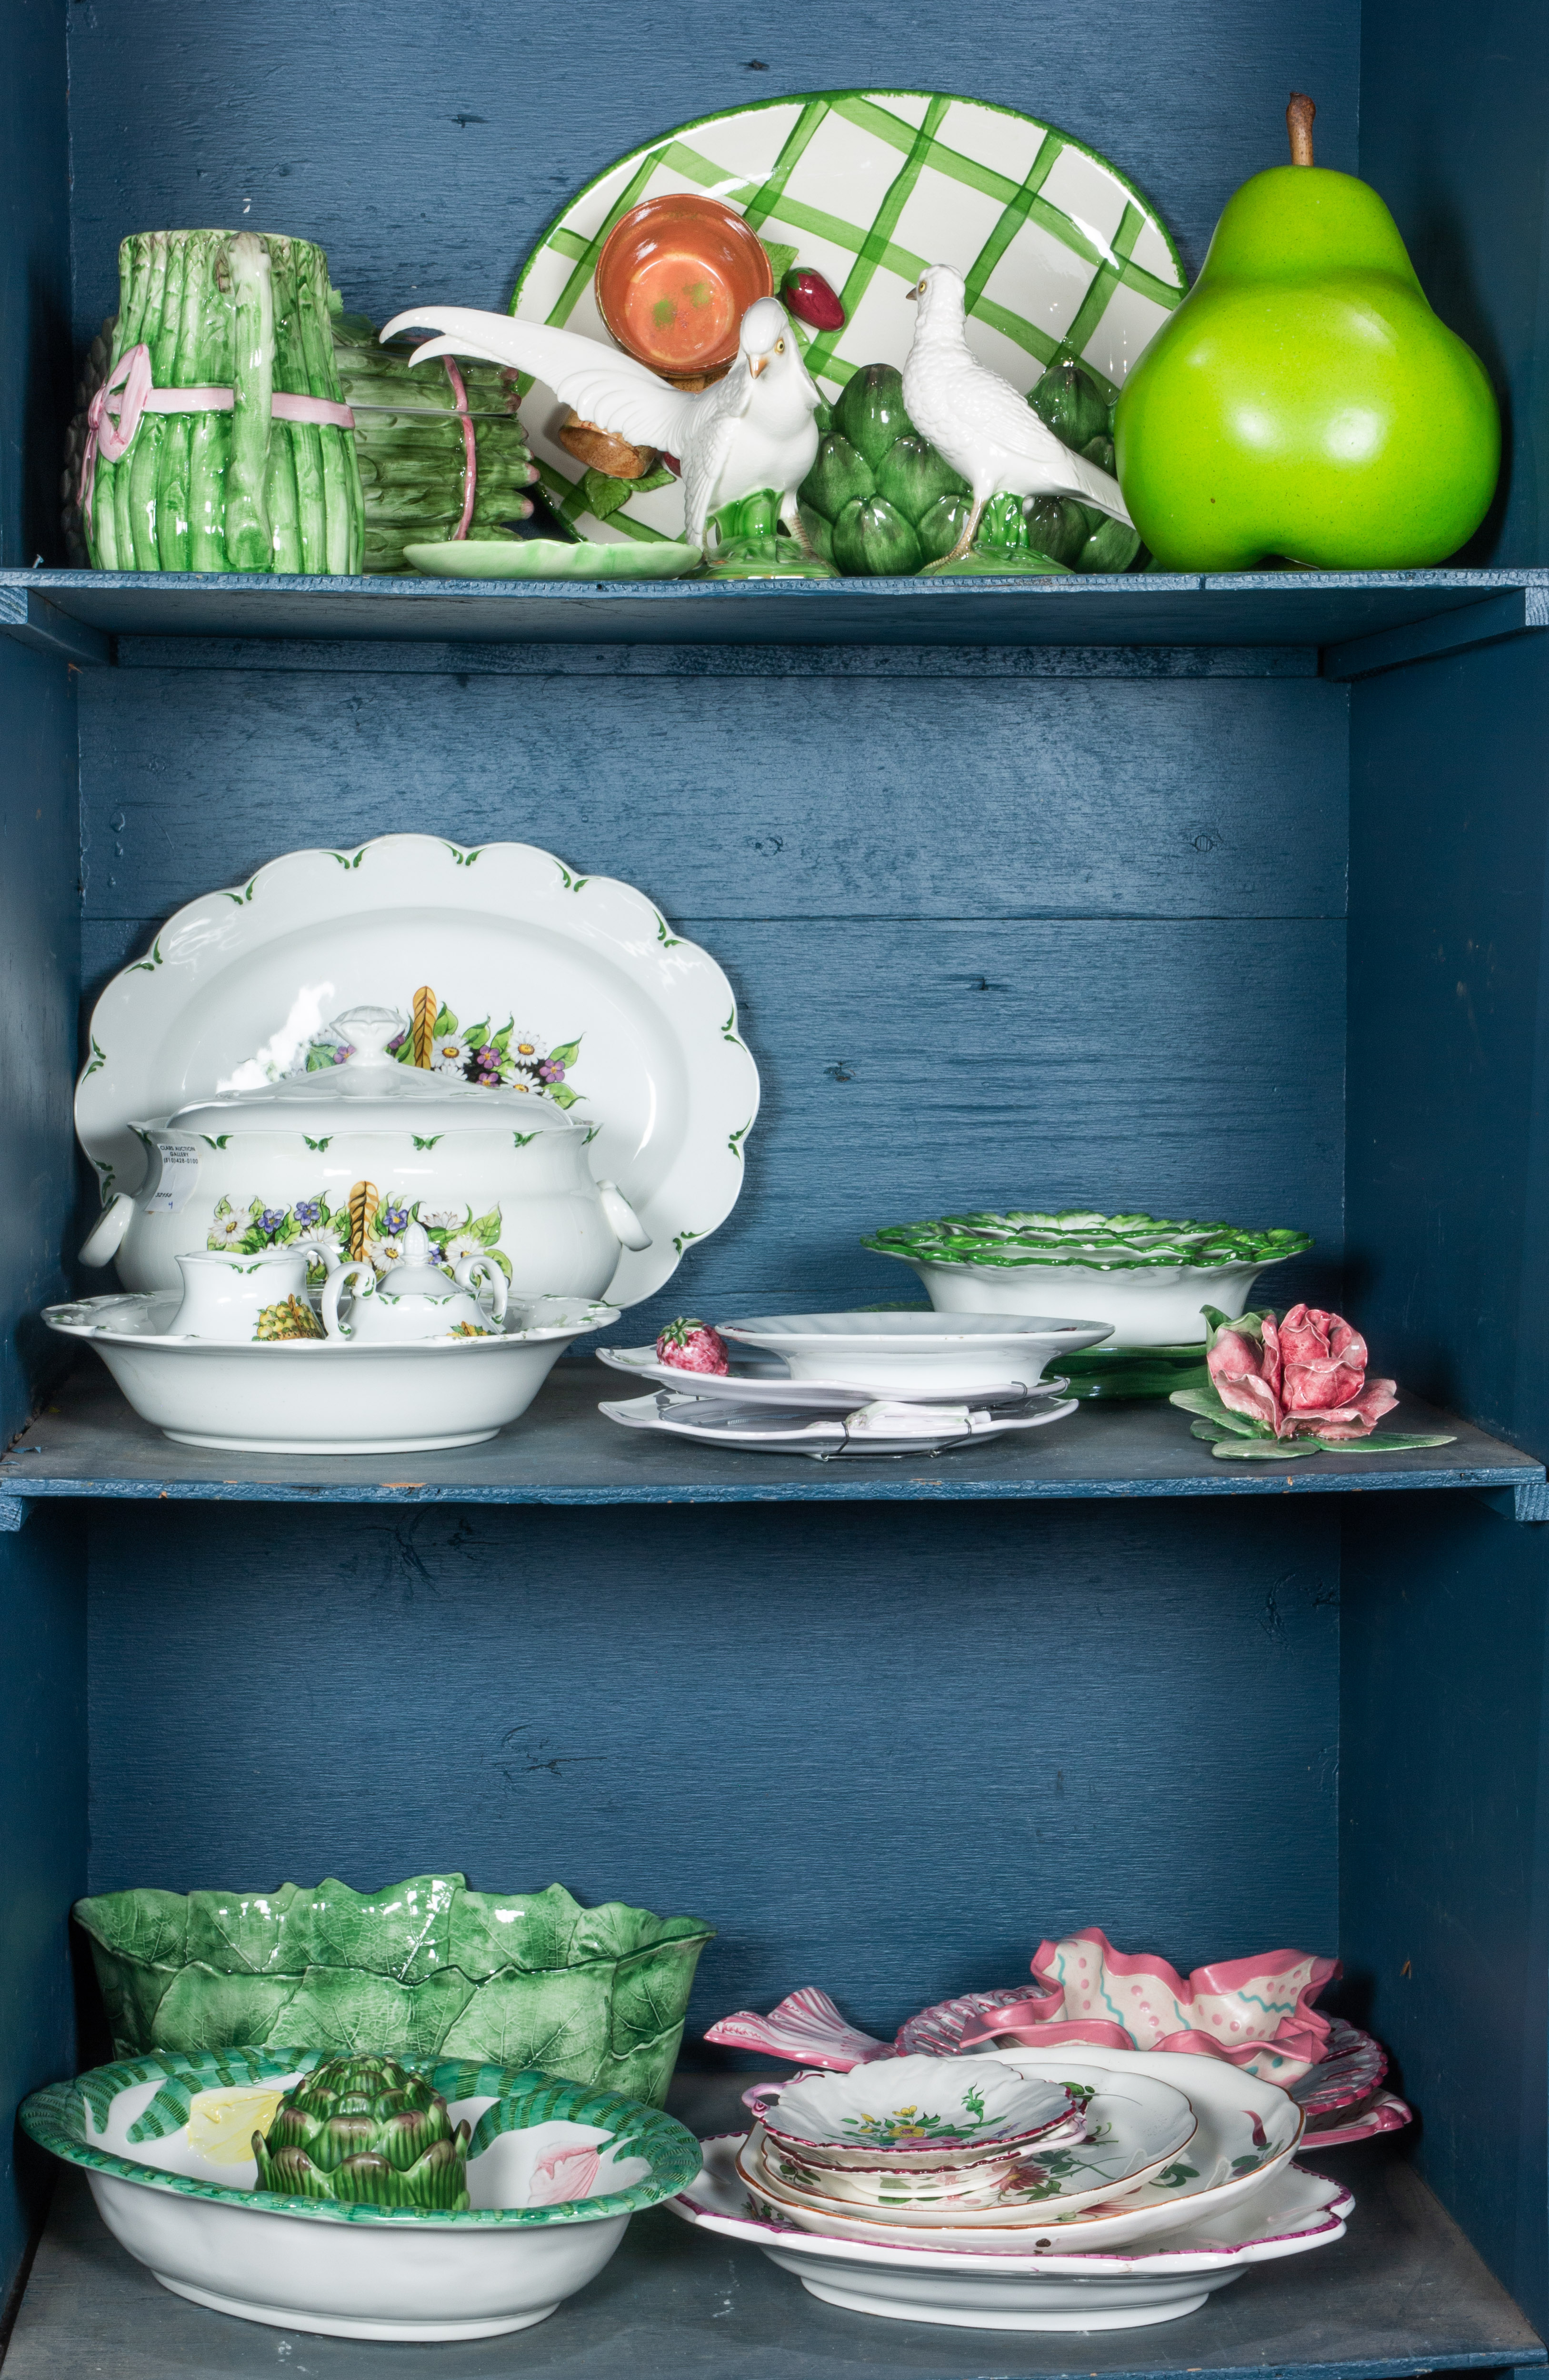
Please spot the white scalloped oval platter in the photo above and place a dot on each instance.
(1058, 248)
(238, 985)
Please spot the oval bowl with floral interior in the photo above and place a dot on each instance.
(1146, 1278)
(919, 2110)
(555, 2171)
(1010, 2289)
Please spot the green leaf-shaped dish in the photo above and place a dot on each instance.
(548, 558)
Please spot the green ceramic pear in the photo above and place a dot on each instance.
(1303, 402)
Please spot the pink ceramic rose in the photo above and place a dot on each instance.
(1303, 1377)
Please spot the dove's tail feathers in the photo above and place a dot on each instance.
(599, 383)
(1093, 486)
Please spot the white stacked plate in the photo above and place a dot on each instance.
(1153, 2248)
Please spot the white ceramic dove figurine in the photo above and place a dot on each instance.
(754, 429)
(977, 420)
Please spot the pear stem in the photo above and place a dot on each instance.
(1299, 124)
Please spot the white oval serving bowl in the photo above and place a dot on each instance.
(918, 1354)
(360, 2271)
(327, 1396)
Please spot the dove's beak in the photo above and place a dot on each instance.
(911, 294)
(755, 364)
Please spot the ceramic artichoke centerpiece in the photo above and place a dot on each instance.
(366, 2131)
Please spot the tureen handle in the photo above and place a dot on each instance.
(343, 1278)
(477, 1272)
(622, 1221)
(105, 1238)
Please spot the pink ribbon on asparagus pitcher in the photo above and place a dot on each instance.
(113, 414)
(470, 446)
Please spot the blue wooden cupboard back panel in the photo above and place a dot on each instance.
(885, 1761)
(1073, 942)
(43, 1742)
(427, 143)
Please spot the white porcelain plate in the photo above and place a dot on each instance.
(549, 558)
(876, 1429)
(916, 1355)
(247, 978)
(994, 2289)
(770, 1384)
(1058, 249)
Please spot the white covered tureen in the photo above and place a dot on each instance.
(355, 1153)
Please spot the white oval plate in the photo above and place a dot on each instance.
(995, 2289)
(248, 975)
(869, 186)
(745, 1386)
(548, 558)
(759, 1430)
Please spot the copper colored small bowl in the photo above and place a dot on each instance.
(675, 279)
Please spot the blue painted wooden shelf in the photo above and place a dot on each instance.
(1402, 2293)
(1363, 622)
(564, 1451)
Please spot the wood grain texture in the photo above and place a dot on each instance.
(969, 663)
(1444, 1781)
(1272, 609)
(886, 1770)
(742, 799)
(421, 161)
(1452, 121)
(88, 1442)
(1401, 2294)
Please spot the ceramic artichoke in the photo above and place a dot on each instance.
(365, 2130)
(880, 500)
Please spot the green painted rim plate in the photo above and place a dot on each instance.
(56, 2118)
(547, 557)
(1059, 250)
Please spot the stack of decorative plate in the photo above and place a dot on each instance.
(859, 1384)
(1100, 2191)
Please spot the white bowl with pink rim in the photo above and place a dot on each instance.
(1040, 2289)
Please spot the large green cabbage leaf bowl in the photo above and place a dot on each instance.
(422, 1969)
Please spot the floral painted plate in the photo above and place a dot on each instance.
(1001, 2290)
(556, 2171)
(547, 557)
(234, 990)
(1060, 252)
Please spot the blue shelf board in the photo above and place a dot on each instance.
(1402, 2293)
(79, 611)
(564, 1451)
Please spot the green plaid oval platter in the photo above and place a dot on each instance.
(1061, 254)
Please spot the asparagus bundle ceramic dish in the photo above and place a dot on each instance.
(442, 453)
(219, 439)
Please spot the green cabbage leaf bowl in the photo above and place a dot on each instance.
(421, 1969)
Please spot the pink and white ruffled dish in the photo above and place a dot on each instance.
(993, 2289)
(1256, 2012)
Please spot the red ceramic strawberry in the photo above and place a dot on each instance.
(689, 1346)
(811, 300)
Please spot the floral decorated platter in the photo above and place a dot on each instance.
(1101, 2289)
(512, 971)
(748, 1384)
(909, 2109)
(882, 1428)
(556, 2171)
(1060, 252)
